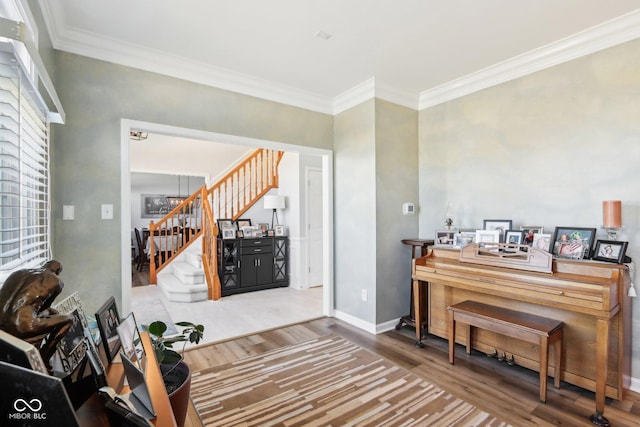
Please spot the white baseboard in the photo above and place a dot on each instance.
(354, 321)
(386, 326)
(635, 385)
(366, 326)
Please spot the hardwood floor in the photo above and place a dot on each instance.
(508, 392)
(139, 278)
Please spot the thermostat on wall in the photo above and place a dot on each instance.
(408, 209)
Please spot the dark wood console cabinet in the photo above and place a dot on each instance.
(252, 264)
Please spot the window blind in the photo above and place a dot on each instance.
(24, 173)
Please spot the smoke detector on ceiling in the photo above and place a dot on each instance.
(323, 35)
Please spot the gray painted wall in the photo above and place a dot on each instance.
(376, 170)
(355, 211)
(158, 183)
(86, 152)
(545, 149)
(396, 182)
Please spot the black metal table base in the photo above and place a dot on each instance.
(410, 321)
(406, 320)
(599, 420)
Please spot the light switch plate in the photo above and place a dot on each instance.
(107, 211)
(68, 212)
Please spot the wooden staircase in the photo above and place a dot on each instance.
(195, 220)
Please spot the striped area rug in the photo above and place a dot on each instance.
(327, 381)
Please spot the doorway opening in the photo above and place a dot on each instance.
(326, 177)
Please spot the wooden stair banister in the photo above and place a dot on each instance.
(245, 184)
(209, 252)
(229, 198)
(179, 228)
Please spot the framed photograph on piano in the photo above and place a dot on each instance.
(501, 225)
(610, 251)
(488, 238)
(513, 237)
(463, 238)
(542, 241)
(529, 232)
(572, 242)
(445, 237)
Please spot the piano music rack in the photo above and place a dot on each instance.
(508, 255)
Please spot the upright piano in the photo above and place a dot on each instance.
(590, 297)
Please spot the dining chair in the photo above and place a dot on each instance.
(143, 257)
(134, 251)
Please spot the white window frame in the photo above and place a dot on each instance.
(25, 199)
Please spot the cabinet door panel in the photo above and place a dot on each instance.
(228, 258)
(280, 257)
(248, 270)
(264, 269)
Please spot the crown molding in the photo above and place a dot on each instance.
(397, 96)
(369, 89)
(608, 34)
(355, 96)
(194, 71)
(110, 50)
(605, 35)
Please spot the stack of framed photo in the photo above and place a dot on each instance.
(73, 347)
(108, 320)
(573, 243)
(131, 342)
(242, 228)
(227, 229)
(77, 350)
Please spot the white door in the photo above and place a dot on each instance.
(314, 225)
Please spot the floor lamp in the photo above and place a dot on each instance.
(274, 203)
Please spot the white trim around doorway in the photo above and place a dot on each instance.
(127, 125)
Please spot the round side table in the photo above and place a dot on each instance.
(420, 246)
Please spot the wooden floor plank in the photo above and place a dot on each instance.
(508, 392)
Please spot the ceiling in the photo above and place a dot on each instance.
(269, 49)
(174, 155)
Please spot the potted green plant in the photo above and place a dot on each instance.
(175, 372)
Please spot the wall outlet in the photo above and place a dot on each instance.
(364, 295)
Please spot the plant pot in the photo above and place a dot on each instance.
(177, 380)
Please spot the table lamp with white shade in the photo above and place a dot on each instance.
(274, 202)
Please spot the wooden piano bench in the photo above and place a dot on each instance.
(524, 326)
